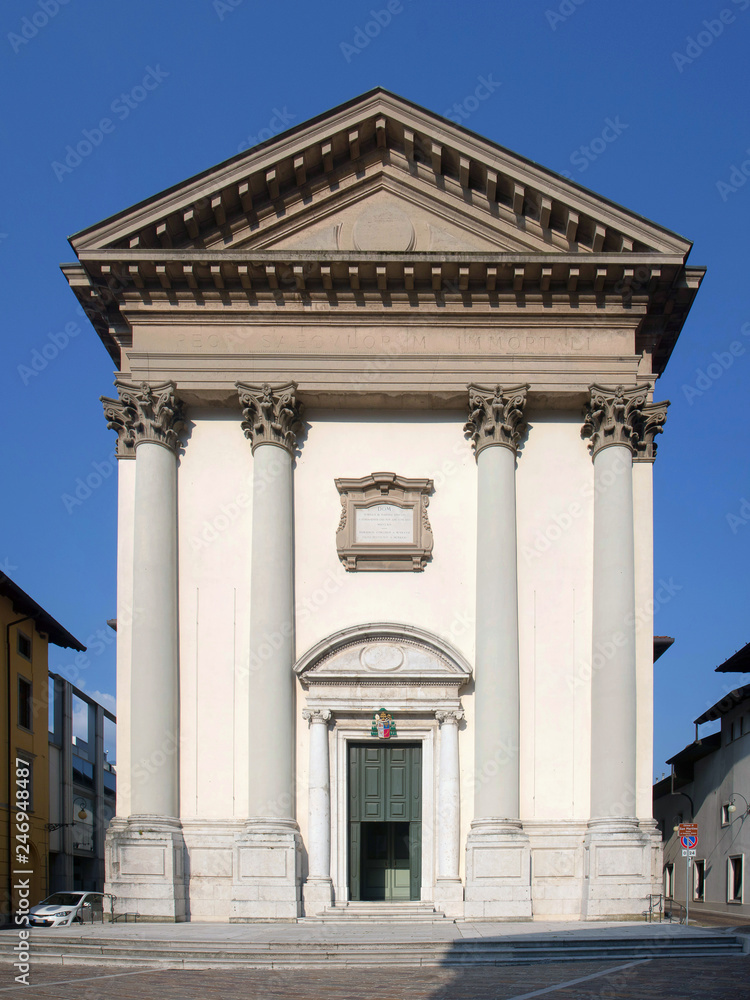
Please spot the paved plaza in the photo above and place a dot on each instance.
(703, 979)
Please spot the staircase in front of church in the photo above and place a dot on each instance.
(418, 939)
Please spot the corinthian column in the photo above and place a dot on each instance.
(495, 425)
(147, 419)
(271, 421)
(621, 425)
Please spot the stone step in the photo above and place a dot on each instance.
(381, 913)
(286, 954)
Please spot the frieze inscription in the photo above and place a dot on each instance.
(394, 343)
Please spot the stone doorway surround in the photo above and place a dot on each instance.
(347, 677)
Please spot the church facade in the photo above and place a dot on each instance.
(385, 417)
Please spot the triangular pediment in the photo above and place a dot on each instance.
(337, 177)
(388, 212)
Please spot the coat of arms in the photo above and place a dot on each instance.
(383, 725)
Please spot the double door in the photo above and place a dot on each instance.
(385, 821)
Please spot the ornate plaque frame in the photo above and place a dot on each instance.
(388, 556)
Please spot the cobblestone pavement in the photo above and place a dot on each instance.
(666, 979)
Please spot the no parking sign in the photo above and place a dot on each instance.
(688, 834)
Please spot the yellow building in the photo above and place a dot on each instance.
(27, 630)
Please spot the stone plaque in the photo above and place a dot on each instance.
(385, 522)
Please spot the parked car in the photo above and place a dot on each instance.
(63, 908)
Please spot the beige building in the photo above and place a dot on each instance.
(385, 416)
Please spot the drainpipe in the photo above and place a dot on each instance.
(11, 762)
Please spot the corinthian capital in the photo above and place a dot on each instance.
(496, 416)
(271, 414)
(654, 418)
(144, 413)
(624, 417)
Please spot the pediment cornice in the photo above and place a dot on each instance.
(378, 129)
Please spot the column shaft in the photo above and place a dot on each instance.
(154, 674)
(497, 688)
(613, 678)
(272, 634)
(448, 797)
(319, 807)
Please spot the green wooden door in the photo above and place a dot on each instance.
(385, 821)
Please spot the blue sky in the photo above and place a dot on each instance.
(223, 73)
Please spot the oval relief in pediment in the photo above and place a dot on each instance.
(382, 657)
(383, 227)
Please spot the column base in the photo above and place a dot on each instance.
(266, 879)
(618, 870)
(449, 896)
(317, 895)
(145, 868)
(498, 871)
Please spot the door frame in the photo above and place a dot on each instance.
(352, 730)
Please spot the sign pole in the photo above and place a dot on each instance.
(688, 834)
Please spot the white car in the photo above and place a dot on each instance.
(62, 908)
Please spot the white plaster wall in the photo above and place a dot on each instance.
(439, 599)
(643, 517)
(554, 483)
(555, 515)
(125, 615)
(215, 517)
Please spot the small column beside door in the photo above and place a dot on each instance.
(318, 888)
(449, 891)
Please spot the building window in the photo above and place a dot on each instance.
(669, 880)
(725, 814)
(24, 646)
(734, 879)
(699, 881)
(24, 703)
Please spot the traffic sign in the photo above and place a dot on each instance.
(690, 840)
(687, 829)
(689, 854)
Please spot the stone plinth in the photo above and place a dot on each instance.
(145, 867)
(266, 879)
(618, 864)
(498, 871)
